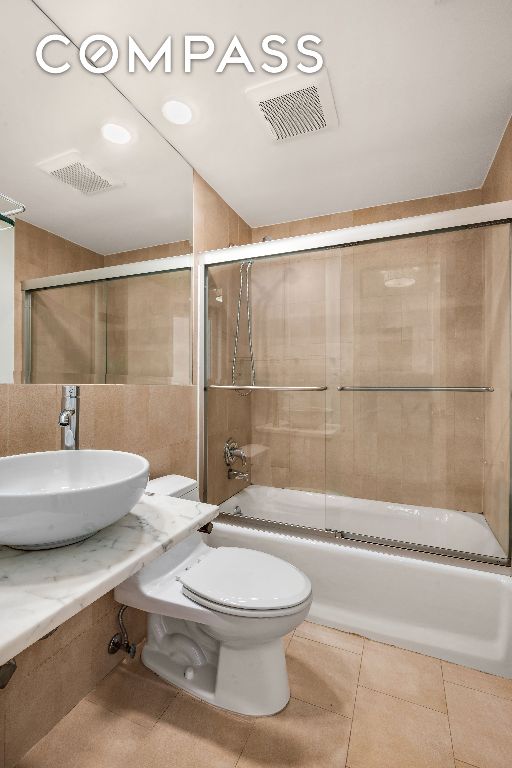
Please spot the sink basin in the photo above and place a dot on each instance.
(56, 498)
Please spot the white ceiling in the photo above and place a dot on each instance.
(423, 90)
(43, 116)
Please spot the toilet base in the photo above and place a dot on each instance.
(249, 680)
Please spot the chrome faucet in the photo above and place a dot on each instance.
(69, 417)
(233, 453)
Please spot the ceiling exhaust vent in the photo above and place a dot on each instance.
(72, 170)
(295, 105)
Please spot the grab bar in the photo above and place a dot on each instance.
(415, 389)
(253, 387)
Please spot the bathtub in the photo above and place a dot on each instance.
(440, 528)
(441, 607)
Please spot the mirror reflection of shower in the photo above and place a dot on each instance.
(245, 285)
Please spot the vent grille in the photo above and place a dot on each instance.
(71, 169)
(295, 113)
(81, 177)
(294, 105)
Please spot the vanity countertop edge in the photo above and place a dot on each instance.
(40, 590)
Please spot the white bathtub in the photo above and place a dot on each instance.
(446, 528)
(441, 608)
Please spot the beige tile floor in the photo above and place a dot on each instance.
(355, 703)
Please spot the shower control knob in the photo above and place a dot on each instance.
(233, 453)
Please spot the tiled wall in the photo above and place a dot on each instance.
(216, 225)
(68, 342)
(415, 448)
(179, 248)
(497, 371)
(228, 413)
(157, 422)
(54, 674)
(38, 254)
(498, 184)
(371, 215)
(329, 318)
(149, 329)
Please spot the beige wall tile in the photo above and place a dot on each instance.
(54, 674)
(371, 215)
(178, 248)
(38, 254)
(498, 184)
(156, 421)
(216, 225)
(4, 419)
(497, 374)
(33, 418)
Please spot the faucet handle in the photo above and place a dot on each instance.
(65, 417)
(232, 452)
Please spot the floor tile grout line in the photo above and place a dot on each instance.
(407, 701)
(105, 709)
(448, 715)
(251, 731)
(328, 645)
(319, 706)
(355, 701)
(478, 690)
(255, 723)
(123, 716)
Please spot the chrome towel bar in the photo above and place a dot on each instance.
(415, 389)
(253, 387)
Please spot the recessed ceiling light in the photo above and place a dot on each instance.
(117, 134)
(177, 112)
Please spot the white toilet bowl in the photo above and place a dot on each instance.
(217, 619)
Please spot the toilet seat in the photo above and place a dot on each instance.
(245, 582)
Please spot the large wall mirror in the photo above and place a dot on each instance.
(96, 197)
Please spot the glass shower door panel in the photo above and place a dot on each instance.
(149, 329)
(281, 424)
(68, 335)
(425, 325)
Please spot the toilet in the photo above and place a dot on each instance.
(217, 617)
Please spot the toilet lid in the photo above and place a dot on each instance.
(246, 579)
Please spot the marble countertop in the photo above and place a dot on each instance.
(40, 590)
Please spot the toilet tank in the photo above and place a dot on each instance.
(175, 485)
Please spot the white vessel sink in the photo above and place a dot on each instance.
(51, 499)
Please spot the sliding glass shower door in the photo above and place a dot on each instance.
(267, 353)
(422, 336)
(369, 389)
